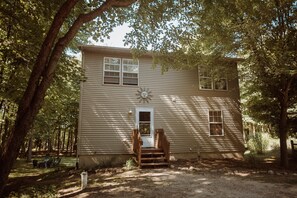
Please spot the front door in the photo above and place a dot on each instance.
(145, 125)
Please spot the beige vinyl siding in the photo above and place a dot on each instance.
(105, 125)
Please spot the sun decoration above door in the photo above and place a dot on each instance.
(144, 95)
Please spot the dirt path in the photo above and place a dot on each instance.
(190, 182)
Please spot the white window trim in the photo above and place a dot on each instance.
(227, 85)
(121, 72)
(222, 117)
(104, 70)
(212, 83)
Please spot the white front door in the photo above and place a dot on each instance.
(145, 125)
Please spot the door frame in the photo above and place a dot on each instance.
(148, 141)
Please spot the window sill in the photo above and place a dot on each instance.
(217, 90)
(216, 135)
(116, 85)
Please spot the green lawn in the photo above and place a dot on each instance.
(26, 181)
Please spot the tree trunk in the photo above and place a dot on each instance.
(59, 141)
(31, 101)
(63, 139)
(283, 137)
(2, 119)
(71, 142)
(42, 75)
(29, 151)
(12, 147)
(22, 153)
(75, 138)
(5, 133)
(283, 126)
(68, 141)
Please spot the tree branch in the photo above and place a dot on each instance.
(84, 18)
(44, 54)
(48, 72)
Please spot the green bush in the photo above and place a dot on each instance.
(130, 164)
(258, 143)
(252, 160)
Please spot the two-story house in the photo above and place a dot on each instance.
(198, 113)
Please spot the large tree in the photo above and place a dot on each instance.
(70, 16)
(264, 33)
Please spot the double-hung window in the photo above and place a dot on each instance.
(208, 82)
(120, 71)
(205, 79)
(112, 70)
(130, 72)
(216, 123)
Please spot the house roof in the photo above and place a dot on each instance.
(104, 48)
(107, 49)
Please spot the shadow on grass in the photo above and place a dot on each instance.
(269, 160)
(26, 181)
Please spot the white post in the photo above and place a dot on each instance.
(84, 179)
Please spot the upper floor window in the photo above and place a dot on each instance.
(208, 82)
(130, 72)
(120, 71)
(216, 123)
(112, 70)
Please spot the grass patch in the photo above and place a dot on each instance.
(27, 181)
(35, 191)
(270, 155)
(22, 168)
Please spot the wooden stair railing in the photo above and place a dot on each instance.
(136, 145)
(151, 157)
(161, 142)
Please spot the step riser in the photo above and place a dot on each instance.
(153, 158)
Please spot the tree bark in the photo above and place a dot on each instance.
(22, 153)
(283, 135)
(29, 151)
(2, 119)
(74, 148)
(71, 142)
(42, 76)
(283, 121)
(59, 141)
(63, 139)
(68, 141)
(49, 144)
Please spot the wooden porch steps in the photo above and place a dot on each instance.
(153, 158)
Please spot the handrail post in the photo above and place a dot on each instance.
(159, 137)
(163, 143)
(136, 145)
(139, 148)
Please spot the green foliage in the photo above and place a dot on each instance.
(130, 164)
(220, 28)
(46, 186)
(197, 33)
(259, 143)
(23, 27)
(252, 159)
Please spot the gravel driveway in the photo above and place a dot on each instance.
(186, 182)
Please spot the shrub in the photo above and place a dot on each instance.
(252, 160)
(258, 143)
(130, 164)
